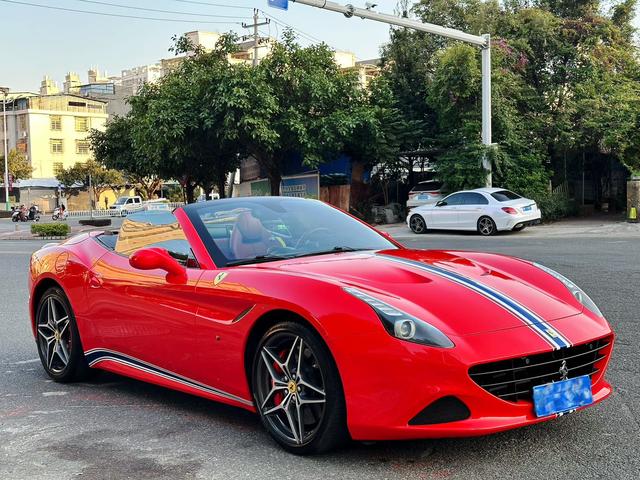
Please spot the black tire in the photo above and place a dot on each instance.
(56, 343)
(486, 226)
(323, 414)
(417, 224)
(14, 219)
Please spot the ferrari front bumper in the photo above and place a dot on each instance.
(399, 380)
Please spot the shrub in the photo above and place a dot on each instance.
(50, 229)
(96, 222)
(555, 206)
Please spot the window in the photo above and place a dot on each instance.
(55, 122)
(455, 199)
(57, 168)
(56, 145)
(471, 198)
(82, 147)
(505, 196)
(430, 186)
(82, 124)
(22, 122)
(155, 229)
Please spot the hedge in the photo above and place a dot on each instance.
(50, 229)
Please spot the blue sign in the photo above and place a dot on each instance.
(281, 4)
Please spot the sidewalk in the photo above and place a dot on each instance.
(23, 232)
(571, 227)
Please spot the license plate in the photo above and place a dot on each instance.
(563, 396)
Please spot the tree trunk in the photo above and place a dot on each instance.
(189, 189)
(221, 184)
(275, 177)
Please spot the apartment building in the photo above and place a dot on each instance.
(52, 130)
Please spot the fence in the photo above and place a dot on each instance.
(104, 213)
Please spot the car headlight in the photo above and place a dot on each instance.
(577, 292)
(402, 325)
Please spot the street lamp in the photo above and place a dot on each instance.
(5, 92)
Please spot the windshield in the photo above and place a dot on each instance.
(249, 230)
(505, 196)
(121, 200)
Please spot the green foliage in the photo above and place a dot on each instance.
(554, 206)
(102, 179)
(114, 148)
(50, 229)
(19, 167)
(566, 86)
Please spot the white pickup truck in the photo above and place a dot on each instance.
(126, 205)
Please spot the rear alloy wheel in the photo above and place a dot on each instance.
(486, 226)
(417, 224)
(297, 390)
(58, 340)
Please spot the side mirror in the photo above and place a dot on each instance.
(441, 203)
(159, 259)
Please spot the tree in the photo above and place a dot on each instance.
(114, 148)
(76, 178)
(565, 83)
(18, 165)
(304, 105)
(181, 124)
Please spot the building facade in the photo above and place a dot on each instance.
(52, 130)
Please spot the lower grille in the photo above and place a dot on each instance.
(513, 380)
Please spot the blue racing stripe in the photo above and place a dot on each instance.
(552, 336)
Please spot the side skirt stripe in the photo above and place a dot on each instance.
(536, 324)
(97, 355)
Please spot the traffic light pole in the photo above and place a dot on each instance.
(484, 42)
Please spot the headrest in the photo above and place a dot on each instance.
(250, 227)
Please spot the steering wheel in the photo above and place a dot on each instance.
(309, 233)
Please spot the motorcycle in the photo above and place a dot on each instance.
(59, 214)
(23, 215)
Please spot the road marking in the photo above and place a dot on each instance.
(24, 362)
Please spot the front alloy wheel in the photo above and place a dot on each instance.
(58, 340)
(297, 390)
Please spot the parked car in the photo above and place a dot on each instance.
(487, 210)
(125, 205)
(425, 193)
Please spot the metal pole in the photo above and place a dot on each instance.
(486, 106)
(351, 11)
(255, 37)
(6, 150)
(90, 199)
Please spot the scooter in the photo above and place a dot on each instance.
(34, 213)
(59, 214)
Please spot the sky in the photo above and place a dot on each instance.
(37, 41)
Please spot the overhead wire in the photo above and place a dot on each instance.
(118, 5)
(118, 15)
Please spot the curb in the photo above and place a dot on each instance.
(31, 237)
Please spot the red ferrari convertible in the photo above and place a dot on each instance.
(325, 327)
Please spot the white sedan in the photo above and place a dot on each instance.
(486, 210)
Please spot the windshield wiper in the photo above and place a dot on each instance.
(258, 259)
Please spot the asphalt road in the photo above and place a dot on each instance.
(112, 427)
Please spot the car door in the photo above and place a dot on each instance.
(471, 209)
(445, 213)
(138, 313)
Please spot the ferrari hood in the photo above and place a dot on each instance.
(462, 293)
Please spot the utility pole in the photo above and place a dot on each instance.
(484, 42)
(5, 92)
(256, 37)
